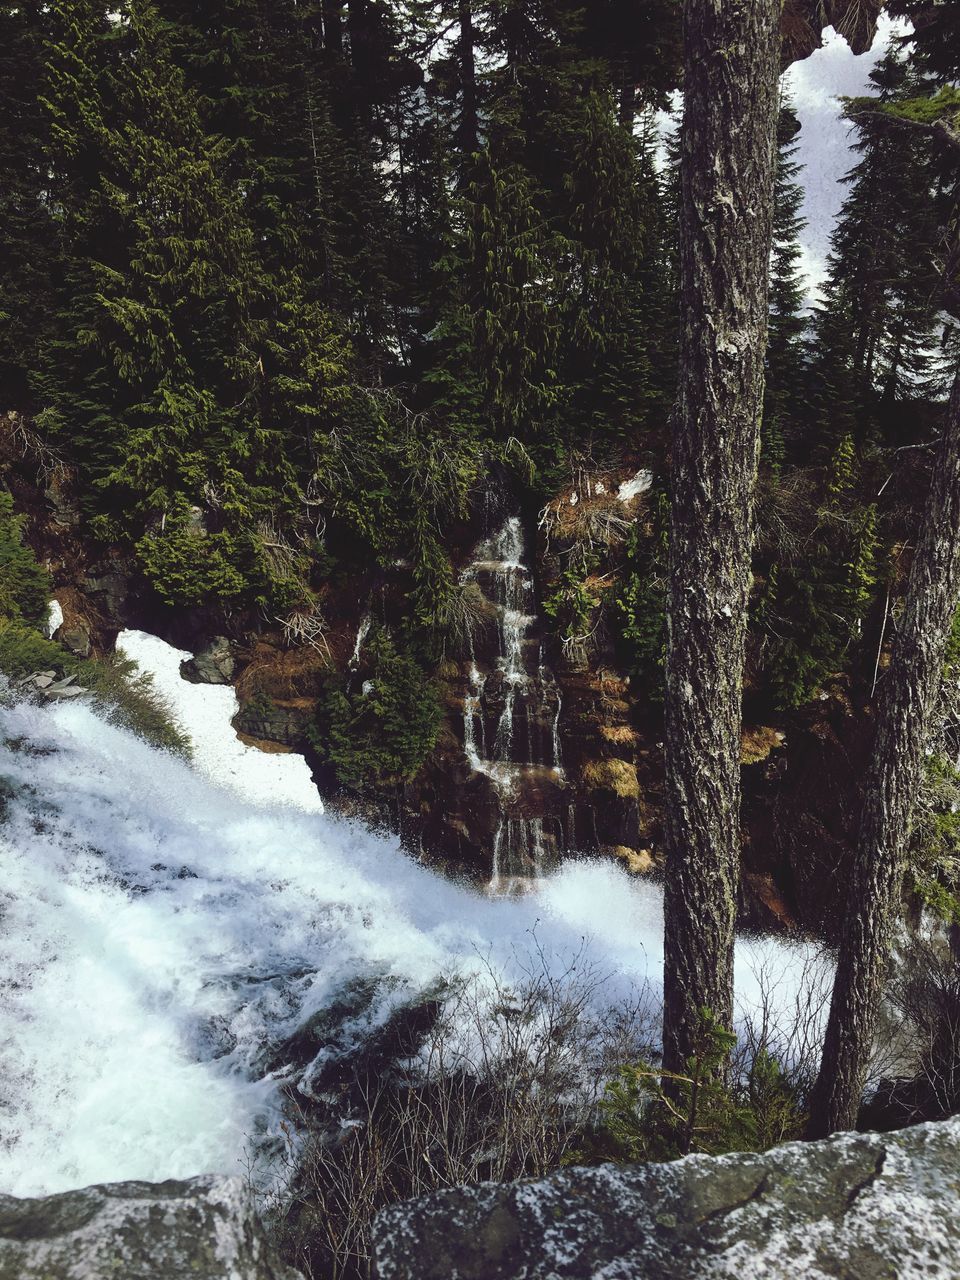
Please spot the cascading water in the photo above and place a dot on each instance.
(362, 632)
(167, 927)
(511, 713)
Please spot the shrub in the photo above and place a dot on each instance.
(121, 693)
(381, 733)
(189, 567)
(24, 585)
(646, 1114)
(501, 1086)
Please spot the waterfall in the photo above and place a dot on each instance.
(168, 926)
(362, 632)
(519, 698)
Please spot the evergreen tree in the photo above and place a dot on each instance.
(29, 238)
(876, 335)
(785, 349)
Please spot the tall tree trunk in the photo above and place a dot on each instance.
(732, 63)
(468, 81)
(332, 11)
(907, 705)
(627, 105)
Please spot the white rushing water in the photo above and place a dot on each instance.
(525, 740)
(165, 924)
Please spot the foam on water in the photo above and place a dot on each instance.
(165, 924)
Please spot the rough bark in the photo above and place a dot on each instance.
(905, 711)
(732, 62)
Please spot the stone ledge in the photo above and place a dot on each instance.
(856, 1207)
(204, 1228)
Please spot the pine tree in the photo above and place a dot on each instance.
(785, 348)
(731, 73)
(875, 335)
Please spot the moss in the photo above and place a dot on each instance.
(637, 862)
(618, 776)
(757, 742)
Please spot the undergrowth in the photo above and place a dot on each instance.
(516, 1080)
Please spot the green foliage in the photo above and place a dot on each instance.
(934, 851)
(646, 1115)
(188, 567)
(120, 692)
(641, 601)
(24, 585)
(379, 734)
(571, 602)
(814, 604)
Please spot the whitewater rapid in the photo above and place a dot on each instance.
(165, 925)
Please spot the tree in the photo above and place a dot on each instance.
(905, 718)
(905, 714)
(732, 63)
(29, 239)
(785, 354)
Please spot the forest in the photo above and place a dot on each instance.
(395, 358)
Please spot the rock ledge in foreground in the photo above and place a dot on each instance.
(204, 1228)
(856, 1207)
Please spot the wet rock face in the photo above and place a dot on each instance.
(856, 1207)
(204, 1228)
(214, 663)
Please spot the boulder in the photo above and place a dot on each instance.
(283, 722)
(214, 664)
(205, 1228)
(857, 1206)
(77, 639)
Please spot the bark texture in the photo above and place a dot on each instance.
(732, 62)
(905, 712)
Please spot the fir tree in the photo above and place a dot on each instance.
(787, 325)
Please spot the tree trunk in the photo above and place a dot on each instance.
(627, 106)
(468, 131)
(732, 63)
(906, 707)
(333, 27)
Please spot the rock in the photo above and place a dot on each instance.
(109, 584)
(858, 1206)
(57, 693)
(39, 679)
(76, 639)
(205, 1228)
(212, 665)
(283, 722)
(46, 683)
